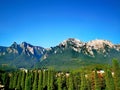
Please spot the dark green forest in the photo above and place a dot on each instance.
(95, 77)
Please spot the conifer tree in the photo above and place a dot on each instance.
(83, 85)
(40, 86)
(19, 81)
(67, 82)
(116, 70)
(97, 81)
(109, 80)
(50, 80)
(70, 82)
(35, 81)
(59, 82)
(23, 80)
(45, 79)
(76, 80)
(28, 82)
(88, 84)
(5, 79)
(11, 81)
(15, 79)
(48, 83)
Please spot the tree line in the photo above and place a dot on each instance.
(62, 80)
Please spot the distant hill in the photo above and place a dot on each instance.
(71, 53)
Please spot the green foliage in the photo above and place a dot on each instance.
(19, 81)
(23, 80)
(28, 82)
(35, 81)
(83, 82)
(50, 80)
(11, 81)
(59, 82)
(109, 80)
(97, 81)
(82, 79)
(5, 80)
(70, 86)
(76, 79)
(116, 70)
(15, 79)
(45, 79)
(40, 86)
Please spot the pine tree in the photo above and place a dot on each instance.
(23, 80)
(28, 82)
(67, 82)
(83, 85)
(88, 84)
(116, 70)
(5, 80)
(19, 81)
(11, 81)
(59, 82)
(15, 79)
(70, 82)
(35, 81)
(50, 80)
(40, 86)
(109, 81)
(45, 79)
(76, 80)
(97, 81)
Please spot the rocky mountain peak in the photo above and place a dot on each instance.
(14, 45)
(72, 42)
(70, 49)
(24, 44)
(100, 44)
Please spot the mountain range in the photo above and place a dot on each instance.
(71, 53)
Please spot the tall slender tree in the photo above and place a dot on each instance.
(40, 86)
(28, 82)
(109, 80)
(50, 80)
(97, 81)
(116, 70)
(23, 80)
(70, 86)
(11, 81)
(19, 80)
(76, 80)
(15, 79)
(67, 82)
(5, 79)
(83, 85)
(45, 79)
(59, 82)
(35, 81)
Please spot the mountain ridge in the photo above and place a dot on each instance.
(69, 51)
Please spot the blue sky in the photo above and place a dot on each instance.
(48, 22)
